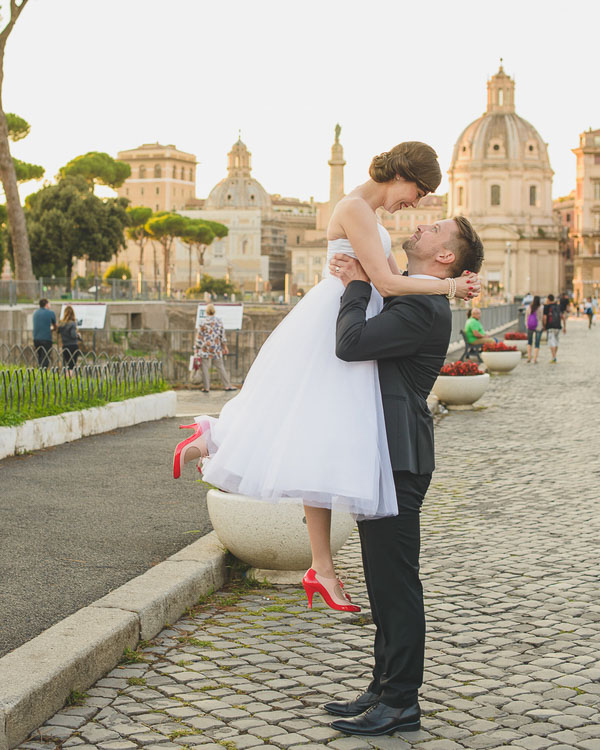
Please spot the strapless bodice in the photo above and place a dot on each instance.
(343, 245)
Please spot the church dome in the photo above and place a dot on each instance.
(239, 189)
(500, 137)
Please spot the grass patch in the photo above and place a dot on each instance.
(46, 393)
(75, 698)
(136, 681)
(189, 641)
(132, 657)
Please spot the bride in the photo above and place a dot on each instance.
(307, 426)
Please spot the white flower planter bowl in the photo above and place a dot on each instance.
(269, 536)
(460, 391)
(521, 344)
(501, 361)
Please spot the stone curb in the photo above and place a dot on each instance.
(37, 677)
(45, 432)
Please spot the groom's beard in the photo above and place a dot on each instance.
(409, 244)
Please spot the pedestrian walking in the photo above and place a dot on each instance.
(588, 310)
(552, 324)
(535, 326)
(564, 305)
(44, 323)
(211, 344)
(70, 338)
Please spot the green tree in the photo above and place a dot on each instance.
(197, 235)
(117, 271)
(164, 227)
(8, 176)
(67, 221)
(136, 231)
(208, 283)
(96, 167)
(19, 128)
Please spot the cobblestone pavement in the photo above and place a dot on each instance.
(510, 569)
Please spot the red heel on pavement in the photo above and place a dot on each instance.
(182, 449)
(326, 587)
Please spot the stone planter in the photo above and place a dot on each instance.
(460, 391)
(521, 344)
(501, 362)
(269, 536)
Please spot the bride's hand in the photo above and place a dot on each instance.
(468, 285)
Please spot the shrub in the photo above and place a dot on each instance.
(500, 347)
(461, 368)
(220, 287)
(117, 271)
(514, 336)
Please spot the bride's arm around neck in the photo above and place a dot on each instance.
(359, 224)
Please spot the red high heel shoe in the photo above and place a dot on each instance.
(182, 448)
(325, 587)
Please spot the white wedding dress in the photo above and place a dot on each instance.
(306, 424)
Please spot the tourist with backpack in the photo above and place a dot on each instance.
(552, 324)
(535, 327)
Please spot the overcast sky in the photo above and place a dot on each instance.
(111, 75)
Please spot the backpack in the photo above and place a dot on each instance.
(532, 321)
(553, 316)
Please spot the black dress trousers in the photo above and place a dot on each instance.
(390, 551)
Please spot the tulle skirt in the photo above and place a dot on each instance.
(306, 425)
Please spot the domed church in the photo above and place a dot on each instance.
(239, 189)
(501, 179)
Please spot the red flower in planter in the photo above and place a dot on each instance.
(500, 347)
(514, 336)
(461, 368)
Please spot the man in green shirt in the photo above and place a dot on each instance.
(474, 331)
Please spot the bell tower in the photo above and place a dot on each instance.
(238, 160)
(501, 93)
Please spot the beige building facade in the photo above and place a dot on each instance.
(501, 179)
(564, 219)
(586, 231)
(163, 178)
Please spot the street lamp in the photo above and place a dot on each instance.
(508, 249)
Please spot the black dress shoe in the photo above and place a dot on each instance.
(353, 708)
(382, 719)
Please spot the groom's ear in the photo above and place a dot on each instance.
(445, 257)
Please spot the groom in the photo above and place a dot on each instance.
(409, 338)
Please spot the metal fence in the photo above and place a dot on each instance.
(29, 388)
(21, 292)
(173, 348)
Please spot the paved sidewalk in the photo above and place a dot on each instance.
(510, 570)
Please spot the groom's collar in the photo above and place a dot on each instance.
(422, 276)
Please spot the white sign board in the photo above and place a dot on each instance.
(231, 314)
(88, 316)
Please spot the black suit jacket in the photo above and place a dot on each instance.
(409, 339)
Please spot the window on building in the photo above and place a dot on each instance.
(126, 191)
(191, 175)
(533, 195)
(142, 172)
(596, 222)
(157, 191)
(500, 97)
(229, 197)
(157, 208)
(461, 195)
(297, 239)
(496, 147)
(495, 195)
(141, 191)
(568, 218)
(174, 172)
(157, 170)
(597, 190)
(244, 247)
(597, 159)
(182, 173)
(530, 147)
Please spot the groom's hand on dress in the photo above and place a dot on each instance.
(347, 269)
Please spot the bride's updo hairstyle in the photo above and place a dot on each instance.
(413, 161)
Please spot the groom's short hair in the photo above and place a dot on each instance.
(467, 248)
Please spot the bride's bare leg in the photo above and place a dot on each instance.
(318, 523)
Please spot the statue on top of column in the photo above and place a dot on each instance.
(338, 130)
